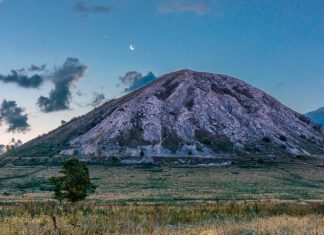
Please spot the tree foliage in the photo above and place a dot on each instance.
(74, 184)
(57, 182)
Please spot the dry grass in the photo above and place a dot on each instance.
(220, 218)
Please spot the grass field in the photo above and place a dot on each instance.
(286, 198)
(292, 180)
(218, 218)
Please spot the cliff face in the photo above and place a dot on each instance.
(181, 114)
(191, 113)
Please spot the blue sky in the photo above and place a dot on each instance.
(277, 46)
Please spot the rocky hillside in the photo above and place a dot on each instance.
(185, 113)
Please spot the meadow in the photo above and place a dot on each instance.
(217, 218)
(252, 197)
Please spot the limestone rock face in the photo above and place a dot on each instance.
(192, 113)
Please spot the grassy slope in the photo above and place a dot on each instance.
(292, 180)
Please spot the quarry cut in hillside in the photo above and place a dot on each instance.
(186, 113)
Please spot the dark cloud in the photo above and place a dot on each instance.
(20, 78)
(82, 7)
(198, 7)
(134, 80)
(97, 100)
(13, 116)
(63, 78)
(36, 68)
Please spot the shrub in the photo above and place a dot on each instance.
(283, 138)
(266, 139)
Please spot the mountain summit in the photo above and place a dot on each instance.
(185, 113)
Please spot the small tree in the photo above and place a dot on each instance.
(9, 147)
(75, 184)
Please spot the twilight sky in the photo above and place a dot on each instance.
(59, 59)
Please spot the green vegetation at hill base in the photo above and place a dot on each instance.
(254, 196)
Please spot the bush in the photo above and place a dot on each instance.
(266, 139)
(283, 138)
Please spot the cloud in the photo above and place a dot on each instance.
(13, 116)
(98, 99)
(35, 68)
(63, 78)
(134, 80)
(82, 7)
(20, 78)
(198, 7)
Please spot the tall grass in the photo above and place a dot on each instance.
(219, 218)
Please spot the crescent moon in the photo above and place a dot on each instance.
(132, 47)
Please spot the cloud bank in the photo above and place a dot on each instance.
(63, 79)
(20, 78)
(13, 116)
(134, 80)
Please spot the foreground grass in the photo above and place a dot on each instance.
(218, 218)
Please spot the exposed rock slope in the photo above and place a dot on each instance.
(186, 113)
